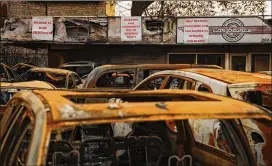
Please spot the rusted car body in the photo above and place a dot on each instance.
(8, 89)
(80, 67)
(32, 129)
(60, 78)
(21, 68)
(265, 72)
(251, 87)
(6, 73)
(104, 76)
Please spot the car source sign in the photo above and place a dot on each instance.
(223, 30)
(42, 28)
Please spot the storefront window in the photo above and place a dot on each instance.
(211, 59)
(238, 63)
(182, 58)
(260, 62)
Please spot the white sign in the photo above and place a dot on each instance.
(196, 30)
(131, 29)
(225, 30)
(42, 28)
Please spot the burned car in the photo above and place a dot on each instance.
(9, 89)
(60, 78)
(82, 68)
(131, 132)
(6, 73)
(128, 76)
(21, 68)
(251, 87)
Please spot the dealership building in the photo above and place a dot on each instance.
(235, 43)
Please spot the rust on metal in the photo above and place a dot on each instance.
(214, 107)
(27, 85)
(52, 70)
(157, 66)
(232, 77)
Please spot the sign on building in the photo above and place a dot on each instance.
(131, 29)
(223, 30)
(196, 30)
(42, 28)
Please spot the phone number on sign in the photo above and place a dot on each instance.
(266, 40)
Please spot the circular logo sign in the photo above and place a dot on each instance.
(234, 32)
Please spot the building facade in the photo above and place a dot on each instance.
(88, 34)
(19, 9)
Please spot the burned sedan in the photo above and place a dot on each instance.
(128, 76)
(60, 78)
(251, 87)
(132, 131)
(6, 73)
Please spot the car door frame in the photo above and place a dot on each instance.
(204, 152)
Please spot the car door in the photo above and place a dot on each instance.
(215, 142)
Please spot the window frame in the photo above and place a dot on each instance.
(204, 85)
(114, 71)
(180, 77)
(152, 78)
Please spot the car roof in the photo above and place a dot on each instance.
(23, 64)
(27, 85)
(53, 70)
(157, 66)
(65, 112)
(232, 77)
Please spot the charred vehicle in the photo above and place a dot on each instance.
(82, 68)
(251, 87)
(21, 68)
(60, 78)
(9, 89)
(130, 129)
(6, 73)
(128, 76)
